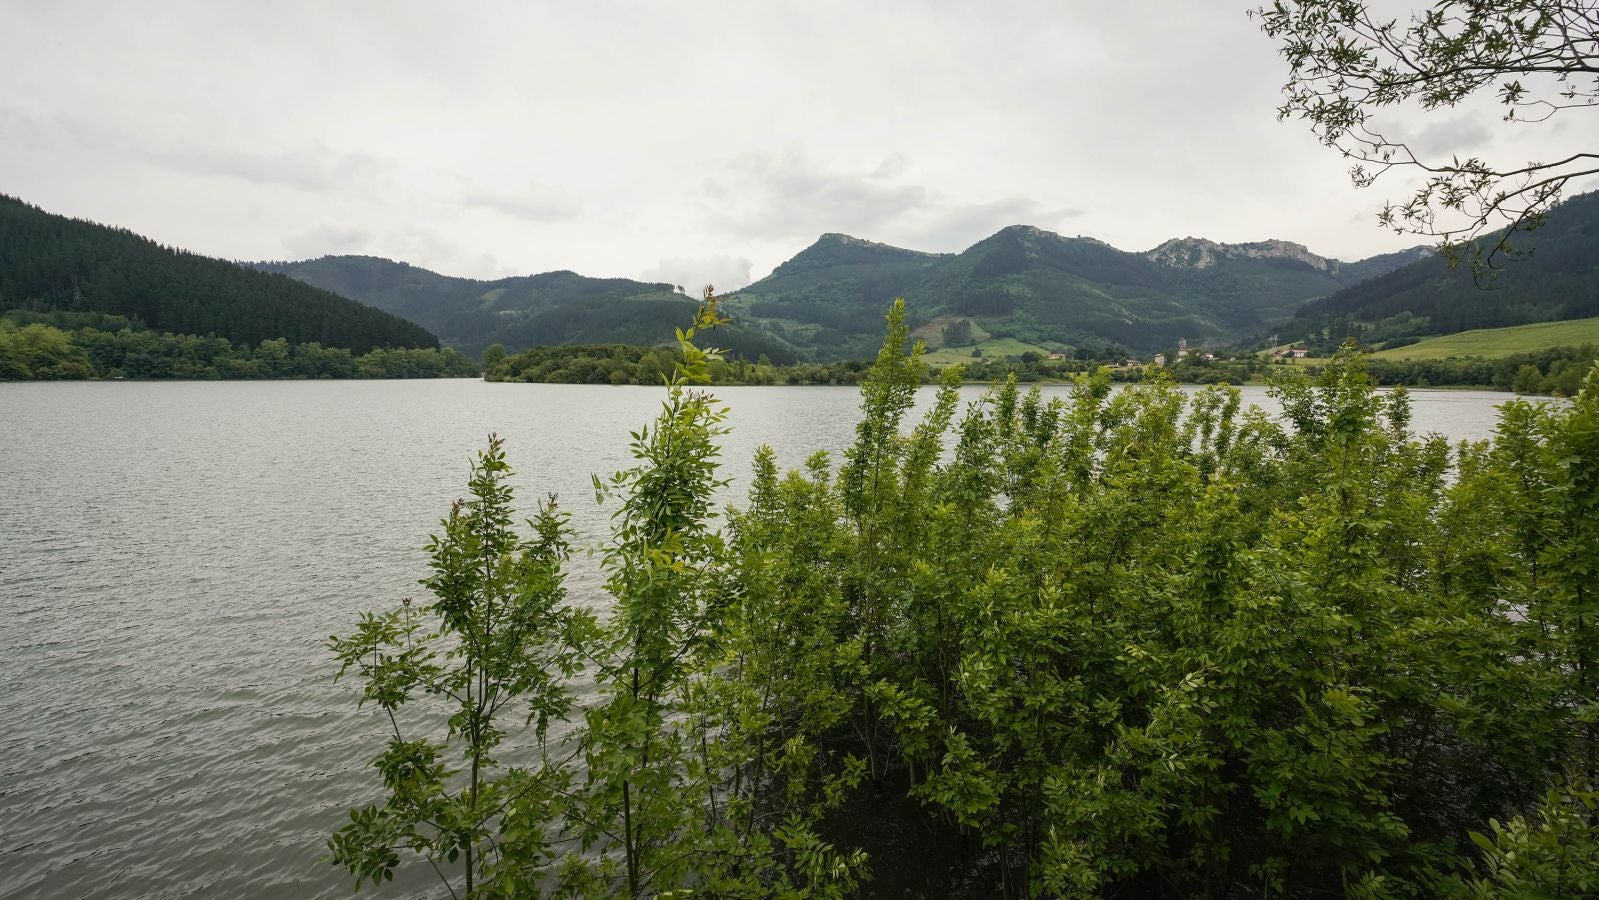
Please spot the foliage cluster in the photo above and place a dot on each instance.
(671, 777)
(50, 262)
(1135, 643)
(43, 352)
(1198, 370)
(584, 364)
(631, 364)
(1557, 370)
(1351, 63)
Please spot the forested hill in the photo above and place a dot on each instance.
(553, 308)
(1558, 280)
(1044, 290)
(50, 262)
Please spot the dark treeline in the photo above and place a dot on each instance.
(37, 351)
(1032, 367)
(1556, 370)
(631, 364)
(581, 364)
(1139, 643)
(1553, 371)
(50, 262)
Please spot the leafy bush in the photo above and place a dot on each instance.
(1126, 643)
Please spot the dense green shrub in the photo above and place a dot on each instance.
(1128, 643)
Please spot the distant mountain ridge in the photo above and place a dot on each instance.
(1201, 253)
(50, 262)
(551, 308)
(827, 301)
(1022, 284)
(1045, 289)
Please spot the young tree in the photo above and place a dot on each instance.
(494, 647)
(673, 782)
(1348, 63)
(663, 806)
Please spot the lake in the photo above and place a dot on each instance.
(174, 555)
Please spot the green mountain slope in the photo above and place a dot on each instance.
(51, 262)
(1020, 287)
(828, 300)
(1043, 289)
(1558, 280)
(554, 308)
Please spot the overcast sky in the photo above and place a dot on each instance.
(685, 142)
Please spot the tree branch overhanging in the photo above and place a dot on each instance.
(1347, 66)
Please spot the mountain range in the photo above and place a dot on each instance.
(827, 302)
(1046, 290)
(525, 311)
(1019, 288)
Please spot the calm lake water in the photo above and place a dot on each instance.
(173, 557)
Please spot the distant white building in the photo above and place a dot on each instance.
(1160, 359)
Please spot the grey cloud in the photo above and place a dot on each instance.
(789, 196)
(1447, 137)
(958, 226)
(310, 167)
(326, 240)
(781, 195)
(48, 133)
(447, 255)
(409, 244)
(487, 267)
(534, 203)
(893, 166)
(727, 273)
(232, 125)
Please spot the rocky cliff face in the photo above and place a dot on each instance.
(1199, 253)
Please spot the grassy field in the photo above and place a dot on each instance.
(992, 349)
(932, 333)
(1492, 343)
